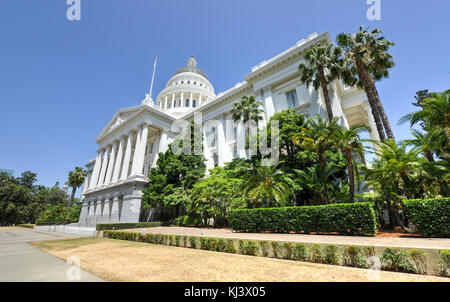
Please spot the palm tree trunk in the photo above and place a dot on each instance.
(321, 160)
(383, 115)
(72, 196)
(351, 175)
(323, 83)
(363, 76)
(429, 156)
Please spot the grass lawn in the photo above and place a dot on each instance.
(115, 260)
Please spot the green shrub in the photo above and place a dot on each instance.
(27, 226)
(193, 241)
(288, 247)
(394, 259)
(419, 259)
(300, 252)
(241, 245)
(171, 240)
(205, 243)
(277, 249)
(348, 218)
(331, 254)
(315, 253)
(177, 240)
(221, 245)
(264, 248)
(185, 241)
(444, 263)
(165, 239)
(353, 256)
(249, 247)
(123, 226)
(121, 235)
(230, 247)
(159, 239)
(188, 221)
(369, 251)
(430, 216)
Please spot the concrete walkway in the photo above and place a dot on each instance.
(426, 243)
(20, 261)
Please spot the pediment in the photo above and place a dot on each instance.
(120, 118)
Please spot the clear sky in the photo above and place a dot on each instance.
(61, 81)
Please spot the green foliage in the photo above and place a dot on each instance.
(288, 250)
(221, 244)
(277, 249)
(129, 236)
(264, 248)
(353, 255)
(59, 214)
(419, 259)
(75, 180)
(185, 241)
(444, 263)
(354, 218)
(129, 225)
(193, 241)
(248, 247)
(394, 259)
(230, 247)
(315, 253)
(331, 255)
(300, 252)
(430, 216)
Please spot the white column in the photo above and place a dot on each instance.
(190, 99)
(118, 163)
(112, 160)
(173, 100)
(240, 140)
(104, 166)
(126, 160)
(142, 149)
(95, 173)
(156, 151)
(199, 100)
(166, 99)
(206, 152)
(182, 100)
(269, 107)
(134, 166)
(224, 152)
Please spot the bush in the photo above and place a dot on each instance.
(264, 248)
(188, 221)
(300, 252)
(349, 218)
(288, 246)
(185, 241)
(248, 247)
(221, 245)
(123, 226)
(277, 249)
(353, 256)
(193, 242)
(444, 263)
(331, 255)
(430, 216)
(230, 247)
(130, 236)
(59, 214)
(419, 259)
(205, 243)
(394, 259)
(315, 253)
(27, 226)
(171, 240)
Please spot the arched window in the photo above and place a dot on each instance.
(194, 103)
(186, 104)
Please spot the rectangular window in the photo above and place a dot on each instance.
(187, 103)
(194, 103)
(292, 100)
(235, 151)
(216, 159)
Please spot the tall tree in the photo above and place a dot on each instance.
(76, 179)
(349, 142)
(367, 56)
(247, 109)
(321, 68)
(318, 137)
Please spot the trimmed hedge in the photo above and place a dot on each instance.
(123, 226)
(348, 218)
(430, 216)
(53, 222)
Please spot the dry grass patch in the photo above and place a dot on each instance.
(116, 260)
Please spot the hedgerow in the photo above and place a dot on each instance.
(430, 216)
(348, 218)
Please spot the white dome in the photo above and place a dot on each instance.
(186, 90)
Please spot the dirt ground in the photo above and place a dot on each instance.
(115, 260)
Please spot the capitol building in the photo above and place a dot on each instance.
(129, 144)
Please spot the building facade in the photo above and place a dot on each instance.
(128, 146)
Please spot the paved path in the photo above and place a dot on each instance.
(426, 243)
(19, 261)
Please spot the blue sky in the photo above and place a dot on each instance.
(61, 81)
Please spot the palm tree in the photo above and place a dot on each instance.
(321, 68)
(349, 142)
(427, 142)
(317, 137)
(367, 56)
(269, 183)
(76, 179)
(248, 109)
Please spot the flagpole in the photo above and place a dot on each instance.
(153, 76)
